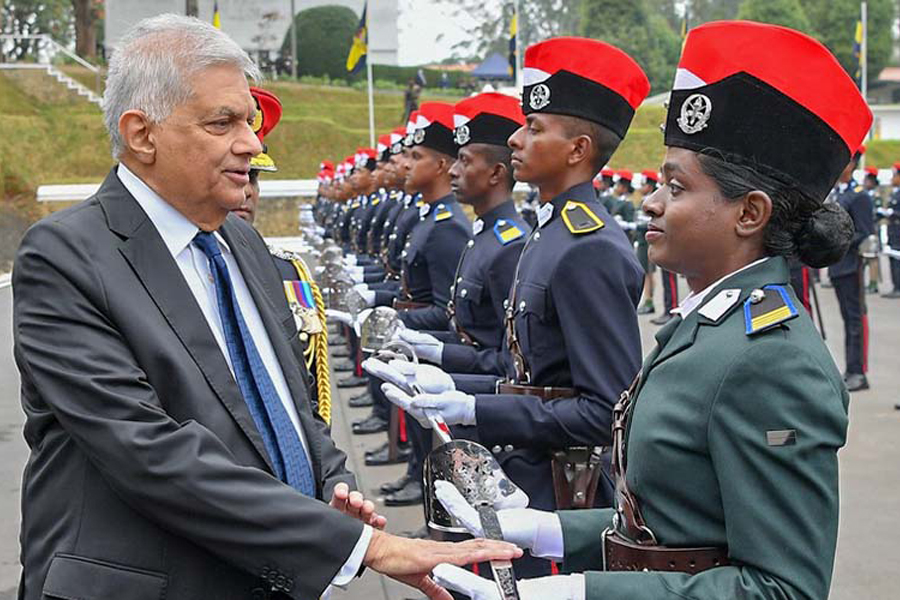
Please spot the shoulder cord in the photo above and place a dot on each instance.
(318, 345)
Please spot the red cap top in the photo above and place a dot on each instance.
(268, 112)
(607, 172)
(591, 59)
(717, 50)
(435, 112)
(651, 175)
(492, 103)
(625, 174)
(326, 165)
(897, 166)
(872, 171)
(861, 150)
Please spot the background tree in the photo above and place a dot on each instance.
(647, 37)
(32, 17)
(702, 11)
(788, 13)
(324, 35)
(86, 13)
(834, 22)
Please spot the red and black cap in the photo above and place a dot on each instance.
(650, 175)
(434, 128)
(268, 113)
(607, 174)
(410, 129)
(397, 136)
(488, 118)
(770, 98)
(625, 175)
(872, 171)
(583, 78)
(384, 147)
(366, 158)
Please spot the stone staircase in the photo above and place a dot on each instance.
(73, 85)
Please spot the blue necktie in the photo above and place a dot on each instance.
(278, 434)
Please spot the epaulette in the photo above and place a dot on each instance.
(355, 204)
(283, 254)
(507, 231)
(767, 308)
(859, 189)
(376, 200)
(442, 212)
(579, 218)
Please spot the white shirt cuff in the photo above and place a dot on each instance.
(548, 540)
(351, 567)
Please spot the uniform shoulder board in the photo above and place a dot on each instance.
(767, 308)
(579, 218)
(507, 231)
(355, 205)
(283, 254)
(859, 189)
(442, 212)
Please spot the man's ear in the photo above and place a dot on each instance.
(582, 150)
(499, 174)
(756, 210)
(138, 136)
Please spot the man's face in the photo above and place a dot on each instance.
(423, 167)
(470, 175)
(895, 178)
(361, 180)
(621, 188)
(539, 149)
(247, 209)
(203, 149)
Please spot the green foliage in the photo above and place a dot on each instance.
(647, 37)
(834, 22)
(703, 11)
(324, 36)
(788, 13)
(31, 17)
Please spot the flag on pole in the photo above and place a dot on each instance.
(857, 52)
(513, 29)
(217, 18)
(360, 48)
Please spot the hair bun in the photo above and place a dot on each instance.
(825, 236)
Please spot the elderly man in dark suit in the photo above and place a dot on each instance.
(173, 449)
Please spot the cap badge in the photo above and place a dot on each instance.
(540, 96)
(463, 135)
(695, 113)
(397, 148)
(419, 136)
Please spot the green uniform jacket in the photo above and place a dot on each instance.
(706, 473)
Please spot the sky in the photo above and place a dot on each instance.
(420, 24)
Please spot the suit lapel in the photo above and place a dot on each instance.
(264, 297)
(148, 256)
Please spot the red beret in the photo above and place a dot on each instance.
(651, 175)
(434, 127)
(488, 118)
(625, 174)
(872, 171)
(268, 112)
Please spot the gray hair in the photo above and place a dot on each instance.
(153, 63)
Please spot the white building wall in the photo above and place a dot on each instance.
(260, 24)
(886, 125)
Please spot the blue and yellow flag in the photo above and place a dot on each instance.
(360, 48)
(513, 29)
(857, 52)
(217, 18)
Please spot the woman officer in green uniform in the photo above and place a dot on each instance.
(725, 447)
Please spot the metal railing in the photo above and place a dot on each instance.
(50, 48)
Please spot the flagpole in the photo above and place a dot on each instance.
(371, 90)
(519, 77)
(864, 55)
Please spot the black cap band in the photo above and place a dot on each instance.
(772, 134)
(437, 137)
(486, 129)
(565, 93)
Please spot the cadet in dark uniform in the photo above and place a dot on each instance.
(718, 456)
(847, 278)
(482, 178)
(572, 330)
(892, 213)
(649, 185)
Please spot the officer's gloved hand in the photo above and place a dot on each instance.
(558, 587)
(367, 295)
(537, 531)
(349, 260)
(405, 375)
(427, 346)
(454, 407)
(339, 316)
(356, 274)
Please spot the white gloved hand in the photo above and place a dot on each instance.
(538, 531)
(339, 316)
(427, 346)
(349, 260)
(405, 375)
(558, 587)
(368, 297)
(356, 276)
(455, 408)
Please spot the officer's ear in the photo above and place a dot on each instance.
(582, 150)
(499, 174)
(138, 136)
(755, 212)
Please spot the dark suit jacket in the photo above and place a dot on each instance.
(147, 477)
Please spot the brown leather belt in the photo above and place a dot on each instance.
(544, 392)
(620, 554)
(409, 304)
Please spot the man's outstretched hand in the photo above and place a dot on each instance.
(355, 505)
(411, 561)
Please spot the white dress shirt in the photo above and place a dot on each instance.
(177, 233)
(692, 300)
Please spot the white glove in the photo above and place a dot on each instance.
(405, 375)
(427, 346)
(455, 408)
(349, 260)
(339, 316)
(558, 587)
(356, 276)
(368, 296)
(537, 531)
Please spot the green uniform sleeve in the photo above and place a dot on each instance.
(581, 537)
(780, 501)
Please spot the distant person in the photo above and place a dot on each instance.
(411, 98)
(445, 81)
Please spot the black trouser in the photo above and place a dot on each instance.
(670, 289)
(420, 438)
(381, 406)
(850, 294)
(894, 243)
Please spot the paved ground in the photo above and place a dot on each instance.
(870, 478)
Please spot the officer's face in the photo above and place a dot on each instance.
(540, 149)
(895, 178)
(423, 167)
(471, 175)
(692, 228)
(201, 161)
(361, 180)
(247, 209)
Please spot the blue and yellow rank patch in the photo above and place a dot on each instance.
(579, 218)
(442, 213)
(772, 310)
(507, 231)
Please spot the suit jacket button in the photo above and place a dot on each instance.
(289, 585)
(508, 448)
(280, 582)
(497, 449)
(258, 594)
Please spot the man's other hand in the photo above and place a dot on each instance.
(355, 505)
